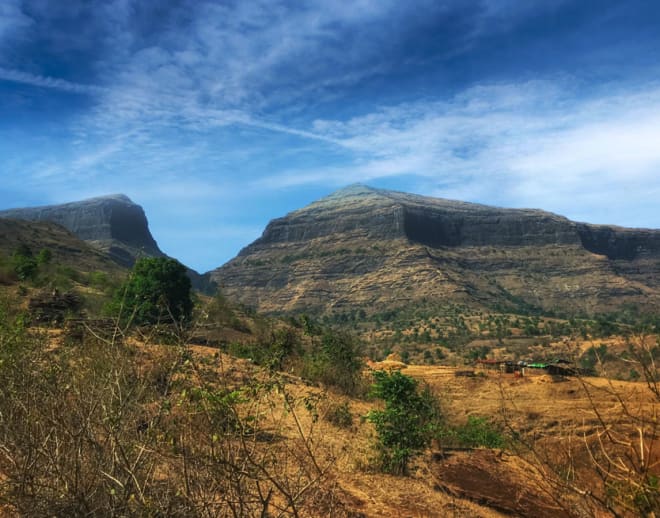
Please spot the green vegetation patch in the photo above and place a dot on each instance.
(408, 422)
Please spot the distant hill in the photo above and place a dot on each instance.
(112, 224)
(376, 250)
(66, 249)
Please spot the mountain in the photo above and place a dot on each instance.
(66, 249)
(376, 250)
(112, 224)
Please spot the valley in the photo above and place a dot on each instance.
(533, 362)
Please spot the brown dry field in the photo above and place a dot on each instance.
(478, 483)
(549, 412)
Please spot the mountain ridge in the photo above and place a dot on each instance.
(443, 243)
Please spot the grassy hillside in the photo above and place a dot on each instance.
(67, 250)
(52, 273)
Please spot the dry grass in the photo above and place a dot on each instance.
(273, 450)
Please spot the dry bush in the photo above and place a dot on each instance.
(104, 427)
(608, 462)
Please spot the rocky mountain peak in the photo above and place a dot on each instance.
(113, 223)
(352, 191)
(368, 248)
(118, 197)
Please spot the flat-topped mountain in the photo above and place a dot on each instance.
(112, 224)
(373, 249)
(437, 223)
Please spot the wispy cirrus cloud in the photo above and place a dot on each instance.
(531, 144)
(17, 76)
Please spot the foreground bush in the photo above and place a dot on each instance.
(407, 423)
(104, 428)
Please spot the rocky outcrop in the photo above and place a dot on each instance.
(372, 249)
(113, 224)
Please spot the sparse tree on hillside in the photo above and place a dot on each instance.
(158, 290)
(407, 423)
(25, 265)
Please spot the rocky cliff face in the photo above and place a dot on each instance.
(374, 249)
(113, 224)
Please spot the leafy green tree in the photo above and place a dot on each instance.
(407, 423)
(24, 263)
(158, 290)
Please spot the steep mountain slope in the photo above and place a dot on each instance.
(378, 250)
(112, 224)
(66, 249)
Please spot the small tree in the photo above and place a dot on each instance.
(408, 422)
(158, 290)
(25, 265)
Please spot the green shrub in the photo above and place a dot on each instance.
(44, 256)
(274, 351)
(158, 290)
(24, 263)
(281, 345)
(98, 280)
(337, 362)
(407, 423)
(479, 431)
(7, 273)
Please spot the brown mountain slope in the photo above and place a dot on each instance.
(67, 250)
(112, 224)
(377, 250)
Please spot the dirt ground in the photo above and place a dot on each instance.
(480, 482)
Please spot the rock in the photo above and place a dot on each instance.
(375, 250)
(53, 307)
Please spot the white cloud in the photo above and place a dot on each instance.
(17, 76)
(531, 144)
(12, 20)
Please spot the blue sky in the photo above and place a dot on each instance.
(219, 116)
